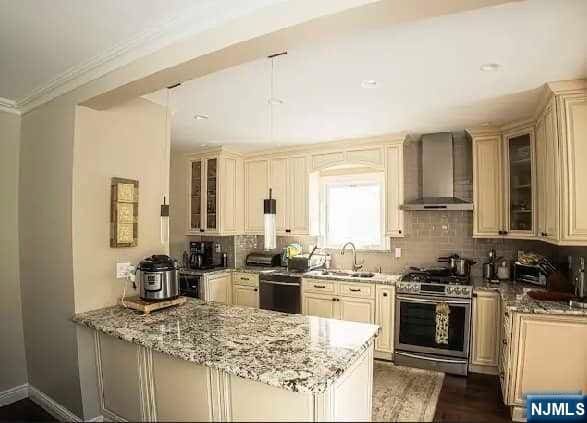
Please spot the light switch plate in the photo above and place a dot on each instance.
(122, 270)
(398, 252)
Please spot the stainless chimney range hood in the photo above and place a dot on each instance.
(438, 176)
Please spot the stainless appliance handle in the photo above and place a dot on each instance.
(422, 357)
(279, 283)
(431, 301)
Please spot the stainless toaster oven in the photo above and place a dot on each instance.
(528, 273)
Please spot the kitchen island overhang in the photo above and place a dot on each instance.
(209, 361)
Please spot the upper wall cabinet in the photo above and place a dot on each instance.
(288, 179)
(394, 190)
(531, 182)
(214, 193)
(504, 189)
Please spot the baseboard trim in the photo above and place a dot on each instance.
(14, 394)
(51, 406)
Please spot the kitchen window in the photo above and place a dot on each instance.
(351, 209)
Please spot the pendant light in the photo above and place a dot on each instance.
(270, 204)
(164, 213)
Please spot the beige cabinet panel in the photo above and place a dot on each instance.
(394, 188)
(319, 286)
(356, 309)
(326, 160)
(573, 136)
(188, 402)
(320, 305)
(551, 176)
(120, 380)
(298, 183)
(360, 290)
(541, 338)
(218, 288)
(487, 186)
(229, 206)
(256, 190)
(485, 330)
(248, 279)
(247, 296)
(384, 317)
(372, 157)
(278, 183)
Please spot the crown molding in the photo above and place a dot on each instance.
(194, 20)
(8, 106)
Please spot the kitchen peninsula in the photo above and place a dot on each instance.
(206, 361)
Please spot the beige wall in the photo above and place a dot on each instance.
(127, 141)
(12, 354)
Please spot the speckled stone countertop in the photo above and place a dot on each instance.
(377, 278)
(515, 299)
(295, 352)
(200, 272)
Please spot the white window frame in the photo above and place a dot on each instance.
(354, 179)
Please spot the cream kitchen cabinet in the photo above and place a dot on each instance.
(542, 353)
(245, 289)
(218, 288)
(288, 179)
(215, 194)
(504, 183)
(384, 317)
(339, 300)
(486, 332)
(394, 190)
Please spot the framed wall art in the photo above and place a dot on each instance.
(124, 213)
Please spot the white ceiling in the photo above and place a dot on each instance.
(44, 44)
(427, 73)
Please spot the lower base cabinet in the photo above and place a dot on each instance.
(384, 317)
(485, 332)
(247, 296)
(138, 384)
(218, 288)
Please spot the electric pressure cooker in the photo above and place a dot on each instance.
(158, 278)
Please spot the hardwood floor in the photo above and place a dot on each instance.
(476, 398)
(24, 410)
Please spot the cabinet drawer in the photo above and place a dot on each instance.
(319, 286)
(361, 290)
(248, 279)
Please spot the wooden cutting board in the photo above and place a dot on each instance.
(136, 303)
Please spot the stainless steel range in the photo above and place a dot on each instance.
(433, 320)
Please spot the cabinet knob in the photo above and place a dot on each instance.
(399, 232)
(288, 231)
(255, 289)
(201, 230)
(504, 341)
(334, 299)
(385, 294)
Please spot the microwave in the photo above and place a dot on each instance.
(528, 273)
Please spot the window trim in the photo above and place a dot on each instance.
(369, 178)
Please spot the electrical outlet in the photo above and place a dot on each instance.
(122, 270)
(398, 252)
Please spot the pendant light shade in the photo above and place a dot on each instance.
(164, 222)
(269, 223)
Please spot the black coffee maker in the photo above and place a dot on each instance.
(201, 254)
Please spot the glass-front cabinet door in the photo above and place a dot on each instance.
(196, 223)
(520, 183)
(211, 194)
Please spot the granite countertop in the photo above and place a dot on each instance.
(294, 352)
(200, 272)
(515, 299)
(377, 278)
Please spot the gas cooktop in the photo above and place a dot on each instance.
(434, 275)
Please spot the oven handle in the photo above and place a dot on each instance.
(434, 301)
(444, 360)
(279, 283)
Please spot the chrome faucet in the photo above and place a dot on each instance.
(356, 266)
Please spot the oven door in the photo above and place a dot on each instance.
(415, 325)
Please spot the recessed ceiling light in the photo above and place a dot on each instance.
(275, 101)
(486, 124)
(490, 67)
(369, 83)
(203, 145)
(201, 117)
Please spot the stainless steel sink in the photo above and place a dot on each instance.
(363, 275)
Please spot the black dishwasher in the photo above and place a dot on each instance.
(280, 292)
